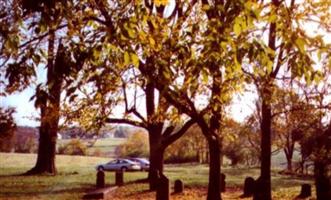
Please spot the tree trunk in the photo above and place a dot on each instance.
(155, 157)
(264, 181)
(289, 156)
(46, 152)
(50, 113)
(214, 170)
(322, 182)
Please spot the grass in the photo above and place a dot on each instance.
(76, 176)
(104, 146)
(107, 145)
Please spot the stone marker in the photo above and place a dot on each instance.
(100, 179)
(249, 186)
(179, 186)
(162, 190)
(119, 178)
(222, 182)
(305, 191)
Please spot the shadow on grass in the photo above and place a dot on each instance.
(81, 188)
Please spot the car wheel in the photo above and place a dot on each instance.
(101, 168)
(123, 169)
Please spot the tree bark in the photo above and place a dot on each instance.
(289, 156)
(322, 182)
(50, 113)
(264, 181)
(155, 156)
(214, 170)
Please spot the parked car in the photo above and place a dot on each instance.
(119, 165)
(143, 162)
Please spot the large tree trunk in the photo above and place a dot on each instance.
(264, 181)
(50, 113)
(46, 151)
(322, 182)
(214, 170)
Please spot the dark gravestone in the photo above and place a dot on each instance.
(100, 179)
(305, 191)
(222, 182)
(119, 178)
(179, 186)
(162, 190)
(249, 187)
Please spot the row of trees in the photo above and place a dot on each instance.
(183, 60)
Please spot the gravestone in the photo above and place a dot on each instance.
(119, 178)
(179, 186)
(162, 190)
(249, 186)
(222, 182)
(305, 191)
(100, 179)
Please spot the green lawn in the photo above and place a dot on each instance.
(76, 175)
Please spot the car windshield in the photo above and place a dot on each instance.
(128, 161)
(141, 160)
(112, 162)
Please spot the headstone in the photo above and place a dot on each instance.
(249, 186)
(100, 179)
(222, 182)
(163, 191)
(305, 191)
(179, 186)
(119, 178)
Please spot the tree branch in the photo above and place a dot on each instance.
(173, 137)
(125, 121)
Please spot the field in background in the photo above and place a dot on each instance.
(104, 147)
(76, 175)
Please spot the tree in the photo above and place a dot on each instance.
(285, 50)
(7, 128)
(317, 143)
(292, 120)
(31, 26)
(205, 67)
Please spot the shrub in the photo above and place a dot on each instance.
(189, 148)
(135, 146)
(28, 145)
(74, 147)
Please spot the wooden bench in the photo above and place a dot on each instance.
(102, 193)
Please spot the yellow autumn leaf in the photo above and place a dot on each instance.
(161, 2)
(126, 58)
(135, 59)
